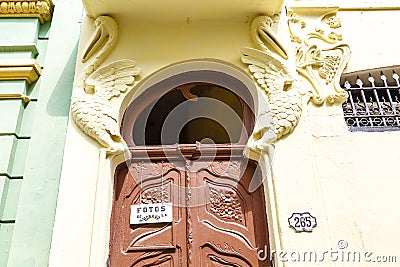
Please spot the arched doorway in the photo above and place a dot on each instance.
(187, 147)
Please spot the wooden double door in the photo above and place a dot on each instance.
(216, 221)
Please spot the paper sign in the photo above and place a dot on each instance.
(151, 213)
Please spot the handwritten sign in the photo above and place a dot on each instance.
(151, 213)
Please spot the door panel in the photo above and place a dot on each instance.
(228, 218)
(215, 218)
(148, 244)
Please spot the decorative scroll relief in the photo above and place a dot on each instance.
(221, 261)
(94, 89)
(30, 8)
(269, 68)
(321, 55)
(225, 247)
(226, 168)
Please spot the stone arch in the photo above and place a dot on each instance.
(209, 71)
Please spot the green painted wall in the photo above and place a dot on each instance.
(32, 135)
(15, 124)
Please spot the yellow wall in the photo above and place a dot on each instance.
(347, 180)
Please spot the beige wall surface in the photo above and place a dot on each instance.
(373, 38)
(353, 174)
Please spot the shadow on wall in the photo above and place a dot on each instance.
(60, 100)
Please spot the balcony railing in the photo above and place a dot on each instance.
(374, 100)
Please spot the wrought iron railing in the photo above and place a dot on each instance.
(374, 100)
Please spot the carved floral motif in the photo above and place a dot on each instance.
(155, 195)
(189, 223)
(226, 204)
(226, 168)
(321, 55)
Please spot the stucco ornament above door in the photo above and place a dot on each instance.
(321, 54)
(320, 57)
(268, 66)
(96, 87)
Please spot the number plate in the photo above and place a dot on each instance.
(302, 222)
(151, 213)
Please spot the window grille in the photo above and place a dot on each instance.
(374, 100)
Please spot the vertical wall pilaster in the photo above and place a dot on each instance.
(36, 72)
(19, 71)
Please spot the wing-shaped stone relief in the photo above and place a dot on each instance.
(90, 104)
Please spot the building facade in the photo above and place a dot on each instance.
(265, 131)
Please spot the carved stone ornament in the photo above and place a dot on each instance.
(42, 10)
(96, 87)
(321, 55)
(268, 66)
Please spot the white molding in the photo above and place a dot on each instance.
(345, 5)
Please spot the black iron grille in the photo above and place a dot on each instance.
(373, 103)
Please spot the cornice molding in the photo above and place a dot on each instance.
(43, 10)
(24, 98)
(343, 5)
(195, 10)
(32, 48)
(20, 69)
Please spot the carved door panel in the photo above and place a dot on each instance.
(224, 229)
(215, 218)
(161, 244)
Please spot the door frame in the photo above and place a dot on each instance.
(94, 183)
(210, 71)
(183, 153)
